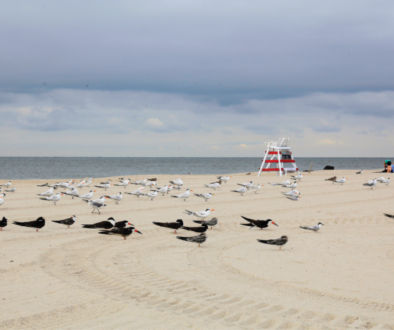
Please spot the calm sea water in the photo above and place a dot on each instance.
(19, 168)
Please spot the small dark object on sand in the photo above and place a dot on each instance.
(328, 167)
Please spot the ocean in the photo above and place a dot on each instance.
(25, 168)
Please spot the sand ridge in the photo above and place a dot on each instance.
(338, 278)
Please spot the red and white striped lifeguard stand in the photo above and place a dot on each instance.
(281, 151)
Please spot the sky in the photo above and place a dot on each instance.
(196, 78)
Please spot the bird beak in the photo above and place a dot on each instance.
(137, 231)
(94, 191)
(212, 210)
(274, 223)
(191, 190)
(213, 194)
(61, 194)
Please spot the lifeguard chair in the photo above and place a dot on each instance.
(281, 151)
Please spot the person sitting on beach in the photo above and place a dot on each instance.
(388, 167)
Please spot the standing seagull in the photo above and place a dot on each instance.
(184, 195)
(246, 185)
(11, 190)
(117, 198)
(163, 190)
(297, 177)
(213, 185)
(205, 196)
(123, 183)
(224, 178)
(387, 181)
(138, 192)
(7, 185)
(67, 222)
(47, 193)
(73, 193)
(88, 195)
(106, 224)
(371, 183)
(341, 181)
(1, 198)
(292, 186)
(241, 190)
(105, 185)
(194, 239)
(200, 214)
(124, 232)
(279, 241)
(96, 205)
(151, 194)
(38, 224)
(257, 223)
(256, 188)
(315, 228)
(177, 182)
(3, 223)
(172, 225)
(54, 198)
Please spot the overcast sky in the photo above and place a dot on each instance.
(196, 78)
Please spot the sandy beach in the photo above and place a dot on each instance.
(338, 278)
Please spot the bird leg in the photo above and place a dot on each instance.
(198, 245)
(37, 230)
(211, 228)
(280, 248)
(124, 237)
(68, 227)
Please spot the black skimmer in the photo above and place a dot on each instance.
(3, 223)
(106, 224)
(67, 222)
(194, 239)
(210, 223)
(257, 223)
(124, 232)
(205, 196)
(278, 241)
(388, 215)
(38, 224)
(202, 229)
(123, 224)
(184, 195)
(315, 228)
(172, 225)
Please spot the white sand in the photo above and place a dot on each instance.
(339, 278)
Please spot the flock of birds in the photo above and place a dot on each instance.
(120, 228)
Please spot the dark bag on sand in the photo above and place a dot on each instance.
(328, 167)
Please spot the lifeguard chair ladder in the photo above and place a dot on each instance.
(280, 150)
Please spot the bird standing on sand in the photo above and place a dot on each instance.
(294, 198)
(205, 196)
(1, 198)
(172, 225)
(138, 192)
(279, 241)
(54, 198)
(315, 228)
(105, 185)
(224, 178)
(386, 182)
(184, 195)
(209, 223)
(371, 183)
(73, 193)
(297, 177)
(177, 182)
(7, 185)
(38, 224)
(333, 179)
(257, 223)
(88, 195)
(256, 188)
(106, 224)
(214, 185)
(117, 198)
(341, 181)
(247, 185)
(151, 194)
(163, 190)
(200, 214)
(202, 229)
(123, 183)
(67, 222)
(47, 193)
(194, 239)
(124, 232)
(13, 189)
(3, 223)
(360, 172)
(96, 205)
(241, 190)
